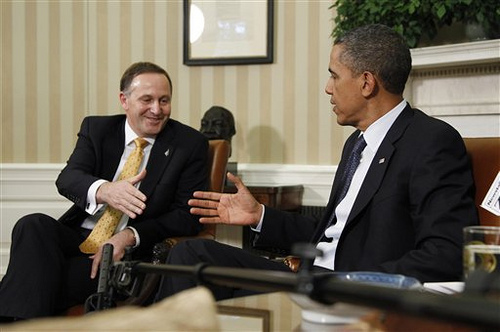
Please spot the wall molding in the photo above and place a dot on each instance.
(472, 53)
(459, 83)
(472, 69)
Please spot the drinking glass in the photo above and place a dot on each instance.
(481, 249)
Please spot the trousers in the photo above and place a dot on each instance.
(47, 273)
(192, 252)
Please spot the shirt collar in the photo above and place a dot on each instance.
(130, 135)
(376, 132)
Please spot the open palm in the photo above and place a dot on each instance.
(240, 208)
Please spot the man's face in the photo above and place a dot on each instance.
(345, 91)
(147, 103)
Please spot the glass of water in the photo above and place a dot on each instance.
(481, 249)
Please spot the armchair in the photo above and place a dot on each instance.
(484, 154)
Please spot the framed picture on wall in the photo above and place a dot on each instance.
(222, 32)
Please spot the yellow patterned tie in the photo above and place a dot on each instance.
(106, 225)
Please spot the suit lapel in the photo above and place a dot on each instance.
(380, 163)
(373, 178)
(161, 155)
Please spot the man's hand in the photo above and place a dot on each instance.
(123, 196)
(120, 241)
(240, 208)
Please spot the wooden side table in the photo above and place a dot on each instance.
(282, 197)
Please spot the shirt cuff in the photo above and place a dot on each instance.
(92, 207)
(259, 225)
(136, 236)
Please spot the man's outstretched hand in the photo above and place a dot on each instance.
(123, 195)
(240, 208)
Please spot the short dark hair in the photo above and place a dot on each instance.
(380, 50)
(139, 68)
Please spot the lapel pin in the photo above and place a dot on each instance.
(381, 160)
(167, 153)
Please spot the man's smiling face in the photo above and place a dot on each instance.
(147, 103)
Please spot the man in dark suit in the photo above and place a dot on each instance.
(47, 270)
(408, 200)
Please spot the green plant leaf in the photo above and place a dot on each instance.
(441, 11)
(413, 18)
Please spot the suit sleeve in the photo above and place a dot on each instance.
(79, 173)
(281, 229)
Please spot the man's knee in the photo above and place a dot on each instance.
(189, 252)
(33, 222)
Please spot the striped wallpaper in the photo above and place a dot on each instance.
(62, 60)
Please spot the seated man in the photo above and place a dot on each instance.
(402, 193)
(128, 202)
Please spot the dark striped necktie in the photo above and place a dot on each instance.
(350, 169)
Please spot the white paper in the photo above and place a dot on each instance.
(451, 287)
(491, 201)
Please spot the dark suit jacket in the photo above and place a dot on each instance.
(409, 214)
(177, 167)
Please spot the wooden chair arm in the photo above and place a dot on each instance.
(293, 262)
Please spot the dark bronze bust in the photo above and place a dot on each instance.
(218, 123)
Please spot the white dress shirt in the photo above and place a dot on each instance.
(96, 210)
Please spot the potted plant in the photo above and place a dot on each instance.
(484, 15)
(415, 19)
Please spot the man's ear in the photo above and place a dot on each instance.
(370, 84)
(123, 101)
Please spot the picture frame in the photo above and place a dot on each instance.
(221, 32)
(239, 318)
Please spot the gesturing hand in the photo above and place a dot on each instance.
(123, 196)
(240, 208)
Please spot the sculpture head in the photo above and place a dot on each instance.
(218, 123)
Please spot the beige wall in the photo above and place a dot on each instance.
(62, 60)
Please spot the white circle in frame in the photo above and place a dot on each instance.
(196, 23)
